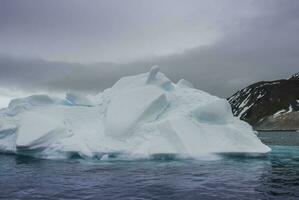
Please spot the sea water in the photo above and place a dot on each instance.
(229, 176)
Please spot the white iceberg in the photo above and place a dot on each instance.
(140, 115)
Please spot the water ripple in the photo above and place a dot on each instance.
(275, 176)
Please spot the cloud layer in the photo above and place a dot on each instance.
(220, 47)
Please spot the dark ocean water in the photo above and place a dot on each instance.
(275, 176)
(279, 137)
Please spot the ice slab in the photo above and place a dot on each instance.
(77, 99)
(129, 107)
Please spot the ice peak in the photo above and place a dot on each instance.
(152, 74)
(184, 83)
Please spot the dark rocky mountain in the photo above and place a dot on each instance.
(269, 105)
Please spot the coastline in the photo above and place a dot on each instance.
(277, 130)
(275, 137)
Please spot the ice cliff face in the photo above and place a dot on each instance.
(140, 115)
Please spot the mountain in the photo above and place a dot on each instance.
(269, 105)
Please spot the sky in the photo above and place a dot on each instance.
(221, 46)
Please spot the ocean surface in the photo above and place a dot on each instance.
(228, 176)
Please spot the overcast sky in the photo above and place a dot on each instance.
(87, 45)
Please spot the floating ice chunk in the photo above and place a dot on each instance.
(139, 115)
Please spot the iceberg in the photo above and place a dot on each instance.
(139, 116)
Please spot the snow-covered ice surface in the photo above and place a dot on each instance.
(138, 117)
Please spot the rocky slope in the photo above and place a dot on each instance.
(269, 105)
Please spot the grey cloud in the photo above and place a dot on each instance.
(33, 75)
(261, 44)
(112, 30)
